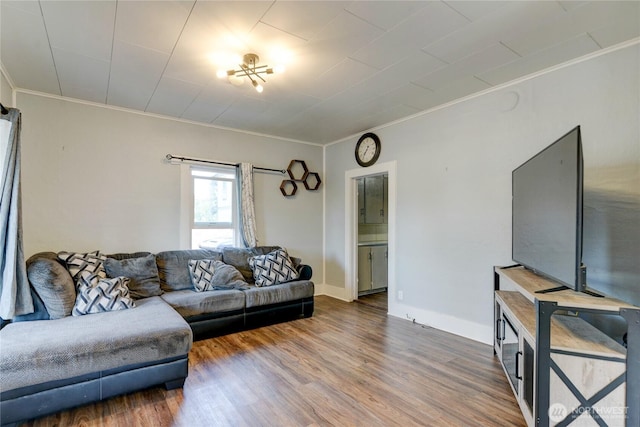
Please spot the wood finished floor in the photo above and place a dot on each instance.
(378, 300)
(348, 365)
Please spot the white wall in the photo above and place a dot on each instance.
(454, 183)
(95, 178)
(5, 91)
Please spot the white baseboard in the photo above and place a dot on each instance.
(444, 322)
(332, 291)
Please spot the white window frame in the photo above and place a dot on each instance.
(188, 203)
(5, 132)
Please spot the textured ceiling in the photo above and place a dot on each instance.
(350, 66)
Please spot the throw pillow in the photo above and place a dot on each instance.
(273, 268)
(142, 272)
(98, 295)
(239, 258)
(91, 262)
(53, 284)
(173, 267)
(209, 275)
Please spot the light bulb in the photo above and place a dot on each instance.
(221, 74)
(258, 87)
(279, 69)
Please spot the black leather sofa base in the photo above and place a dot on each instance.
(275, 313)
(210, 326)
(43, 399)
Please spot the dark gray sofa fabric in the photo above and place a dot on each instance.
(49, 350)
(53, 284)
(173, 267)
(239, 258)
(128, 255)
(190, 303)
(142, 272)
(275, 294)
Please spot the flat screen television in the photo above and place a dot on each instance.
(547, 192)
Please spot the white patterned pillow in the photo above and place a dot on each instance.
(91, 262)
(98, 295)
(273, 268)
(211, 275)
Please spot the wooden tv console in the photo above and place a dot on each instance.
(562, 370)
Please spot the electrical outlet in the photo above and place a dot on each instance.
(400, 295)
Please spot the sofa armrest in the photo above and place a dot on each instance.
(305, 271)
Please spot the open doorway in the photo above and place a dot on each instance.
(372, 239)
(370, 233)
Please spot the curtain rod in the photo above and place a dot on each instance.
(212, 162)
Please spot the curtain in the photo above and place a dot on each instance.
(15, 295)
(247, 206)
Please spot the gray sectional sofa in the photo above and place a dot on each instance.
(51, 360)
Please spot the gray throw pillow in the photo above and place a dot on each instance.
(210, 275)
(53, 284)
(142, 272)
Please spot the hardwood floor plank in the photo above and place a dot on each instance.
(348, 365)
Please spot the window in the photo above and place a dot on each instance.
(5, 130)
(213, 207)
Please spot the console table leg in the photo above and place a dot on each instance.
(632, 316)
(544, 311)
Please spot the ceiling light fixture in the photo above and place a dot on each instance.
(249, 69)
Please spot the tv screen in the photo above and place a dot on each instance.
(547, 212)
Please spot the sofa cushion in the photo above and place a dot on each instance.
(211, 275)
(239, 258)
(273, 268)
(53, 284)
(97, 295)
(47, 350)
(142, 271)
(77, 262)
(191, 303)
(128, 255)
(173, 267)
(259, 296)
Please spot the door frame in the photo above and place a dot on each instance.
(351, 226)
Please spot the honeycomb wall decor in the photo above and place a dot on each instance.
(299, 168)
(299, 172)
(312, 181)
(288, 187)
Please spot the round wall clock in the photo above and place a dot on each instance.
(368, 149)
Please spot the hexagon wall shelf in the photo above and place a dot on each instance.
(312, 182)
(294, 169)
(288, 187)
(299, 172)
